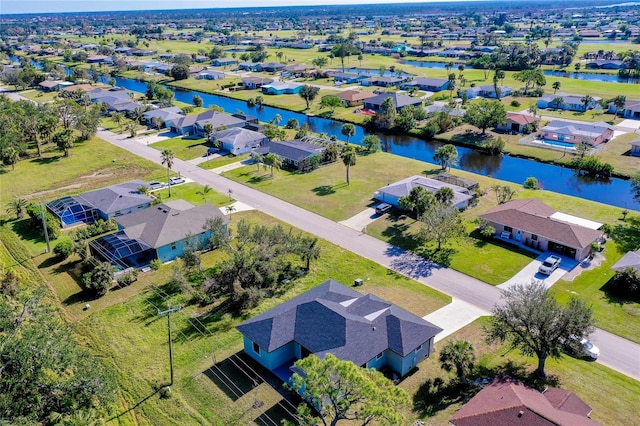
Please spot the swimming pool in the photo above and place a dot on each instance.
(565, 145)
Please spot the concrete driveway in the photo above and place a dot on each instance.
(530, 272)
(362, 219)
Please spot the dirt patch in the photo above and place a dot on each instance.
(585, 265)
(95, 175)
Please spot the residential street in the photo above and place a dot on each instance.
(617, 353)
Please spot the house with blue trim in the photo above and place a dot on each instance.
(104, 203)
(332, 318)
(281, 88)
(348, 77)
(248, 66)
(487, 91)
(427, 84)
(399, 100)
(392, 193)
(160, 232)
(210, 75)
(223, 62)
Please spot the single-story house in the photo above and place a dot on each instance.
(630, 260)
(631, 109)
(163, 114)
(531, 222)
(568, 103)
(99, 59)
(635, 147)
(398, 99)
(297, 70)
(248, 66)
(452, 112)
(96, 95)
(160, 232)
(54, 85)
(210, 75)
(454, 53)
(392, 193)
(576, 133)
(104, 203)
(238, 140)
(280, 88)
(382, 81)
(427, 84)
(604, 64)
(194, 124)
(295, 154)
(127, 107)
(351, 98)
(487, 91)
(84, 87)
(332, 318)
(270, 67)
(506, 401)
(517, 121)
(255, 82)
(348, 77)
(223, 62)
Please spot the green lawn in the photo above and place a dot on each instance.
(40, 96)
(223, 161)
(185, 148)
(585, 378)
(124, 328)
(189, 192)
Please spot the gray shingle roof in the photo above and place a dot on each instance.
(629, 260)
(404, 187)
(332, 318)
(399, 100)
(164, 224)
(295, 150)
(591, 130)
(114, 198)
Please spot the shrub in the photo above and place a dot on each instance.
(155, 264)
(515, 103)
(128, 278)
(531, 183)
(487, 232)
(97, 281)
(63, 249)
(187, 109)
(626, 283)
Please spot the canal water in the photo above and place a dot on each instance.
(616, 192)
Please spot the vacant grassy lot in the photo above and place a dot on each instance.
(185, 148)
(223, 161)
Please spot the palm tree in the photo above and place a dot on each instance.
(276, 119)
(348, 130)
(117, 118)
(586, 100)
(230, 209)
(17, 206)
(279, 56)
(258, 158)
(273, 161)
(619, 102)
(458, 355)
(556, 86)
(452, 84)
(167, 160)
(349, 159)
(205, 190)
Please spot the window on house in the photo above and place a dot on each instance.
(379, 355)
(118, 213)
(534, 237)
(508, 229)
(173, 246)
(256, 348)
(419, 348)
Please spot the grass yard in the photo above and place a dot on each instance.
(185, 148)
(223, 161)
(493, 262)
(40, 96)
(124, 328)
(189, 192)
(437, 405)
(92, 164)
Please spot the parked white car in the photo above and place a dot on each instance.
(581, 347)
(176, 180)
(550, 264)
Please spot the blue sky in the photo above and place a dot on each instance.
(46, 6)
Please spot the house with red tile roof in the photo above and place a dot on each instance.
(517, 121)
(507, 402)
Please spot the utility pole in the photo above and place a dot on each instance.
(44, 227)
(168, 313)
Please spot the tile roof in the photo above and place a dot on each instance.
(507, 402)
(522, 119)
(532, 215)
(117, 197)
(332, 318)
(399, 100)
(354, 95)
(164, 224)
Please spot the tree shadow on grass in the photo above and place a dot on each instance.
(612, 297)
(510, 369)
(258, 179)
(436, 395)
(324, 190)
(47, 160)
(627, 237)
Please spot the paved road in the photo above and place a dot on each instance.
(616, 352)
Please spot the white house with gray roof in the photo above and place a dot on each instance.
(567, 102)
(239, 140)
(392, 193)
(332, 318)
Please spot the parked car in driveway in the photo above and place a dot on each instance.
(383, 208)
(176, 180)
(550, 264)
(154, 184)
